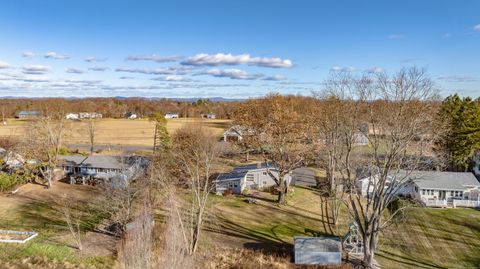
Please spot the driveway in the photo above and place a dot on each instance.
(304, 177)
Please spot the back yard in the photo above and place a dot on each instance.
(428, 238)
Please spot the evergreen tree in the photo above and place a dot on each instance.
(461, 139)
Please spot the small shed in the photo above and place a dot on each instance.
(318, 250)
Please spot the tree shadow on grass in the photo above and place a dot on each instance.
(404, 260)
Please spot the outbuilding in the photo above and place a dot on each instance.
(318, 250)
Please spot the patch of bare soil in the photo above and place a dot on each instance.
(98, 244)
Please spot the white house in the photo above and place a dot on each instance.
(130, 115)
(360, 139)
(72, 116)
(433, 188)
(172, 116)
(10, 159)
(209, 116)
(89, 115)
(252, 176)
(102, 167)
(236, 133)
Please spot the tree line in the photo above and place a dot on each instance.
(117, 107)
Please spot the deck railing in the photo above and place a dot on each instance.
(434, 203)
(466, 203)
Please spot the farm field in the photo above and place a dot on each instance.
(119, 131)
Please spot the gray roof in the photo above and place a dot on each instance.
(242, 170)
(442, 180)
(106, 162)
(317, 244)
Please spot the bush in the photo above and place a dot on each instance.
(8, 181)
(228, 192)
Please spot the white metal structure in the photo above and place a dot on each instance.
(27, 236)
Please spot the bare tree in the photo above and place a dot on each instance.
(195, 152)
(71, 215)
(43, 143)
(337, 122)
(136, 244)
(399, 111)
(92, 132)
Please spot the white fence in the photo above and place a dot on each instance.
(435, 203)
(466, 203)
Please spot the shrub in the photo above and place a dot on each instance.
(8, 181)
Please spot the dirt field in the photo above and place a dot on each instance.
(119, 131)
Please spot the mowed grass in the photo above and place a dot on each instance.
(428, 238)
(120, 131)
(433, 238)
(37, 209)
(265, 224)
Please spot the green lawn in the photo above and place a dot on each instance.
(32, 212)
(433, 238)
(427, 238)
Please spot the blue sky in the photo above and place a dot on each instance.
(232, 49)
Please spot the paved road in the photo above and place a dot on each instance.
(125, 148)
(304, 177)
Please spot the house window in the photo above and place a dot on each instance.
(452, 193)
(235, 185)
(423, 192)
(264, 183)
(264, 173)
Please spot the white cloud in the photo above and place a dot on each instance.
(35, 79)
(275, 78)
(396, 36)
(153, 57)
(343, 68)
(98, 68)
(458, 79)
(476, 28)
(54, 55)
(35, 69)
(28, 54)
(4, 65)
(74, 71)
(83, 81)
(95, 59)
(126, 77)
(157, 71)
(171, 78)
(231, 73)
(204, 59)
(375, 70)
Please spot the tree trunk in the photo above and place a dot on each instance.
(282, 190)
(369, 246)
(281, 197)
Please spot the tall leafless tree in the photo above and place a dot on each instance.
(398, 109)
(92, 132)
(338, 123)
(195, 152)
(43, 142)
